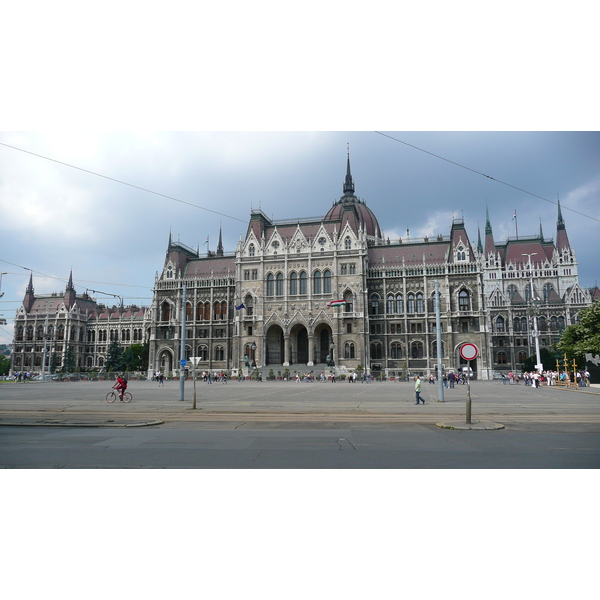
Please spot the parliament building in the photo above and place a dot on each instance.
(327, 293)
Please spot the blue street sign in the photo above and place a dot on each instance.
(183, 362)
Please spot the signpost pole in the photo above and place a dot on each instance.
(182, 361)
(468, 392)
(469, 352)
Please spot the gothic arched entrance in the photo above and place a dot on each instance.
(299, 345)
(323, 338)
(165, 361)
(274, 349)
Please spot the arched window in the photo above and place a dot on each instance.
(202, 353)
(523, 323)
(317, 289)
(395, 350)
(511, 291)
(501, 358)
(547, 290)
(500, 325)
(347, 243)
(399, 304)
(270, 284)
(303, 286)
(279, 285)
(19, 334)
(219, 353)
(207, 311)
(199, 311)
(39, 333)
(561, 323)
(165, 311)
(374, 304)
(223, 310)
(543, 326)
(61, 333)
(251, 250)
(294, 284)
(521, 357)
(420, 305)
(376, 351)
(517, 325)
(217, 311)
(327, 282)
(463, 301)
(553, 324)
(391, 305)
(188, 311)
(29, 335)
(434, 350)
(410, 303)
(349, 350)
(416, 350)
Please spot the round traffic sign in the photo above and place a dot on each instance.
(469, 351)
(183, 362)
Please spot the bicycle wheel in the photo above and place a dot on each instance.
(127, 397)
(111, 397)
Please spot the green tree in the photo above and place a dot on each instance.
(69, 360)
(4, 365)
(547, 358)
(136, 357)
(584, 337)
(53, 362)
(115, 357)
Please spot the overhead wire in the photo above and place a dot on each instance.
(564, 207)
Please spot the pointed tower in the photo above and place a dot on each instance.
(70, 292)
(220, 244)
(489, 237)
(348, 183)
(562, 240)
(479, 244)
(541, 232)
(29, 295)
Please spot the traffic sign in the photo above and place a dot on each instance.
(183, 362)
(469, 351)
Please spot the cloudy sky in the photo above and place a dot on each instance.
(113, 236)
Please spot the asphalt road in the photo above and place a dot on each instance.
(287, 426)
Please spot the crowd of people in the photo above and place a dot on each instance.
(535, 379)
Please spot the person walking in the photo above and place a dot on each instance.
(418, 390)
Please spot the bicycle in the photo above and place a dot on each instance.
(112, 396)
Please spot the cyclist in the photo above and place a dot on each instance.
(120, 386)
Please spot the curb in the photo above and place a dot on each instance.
(56, 424)
(475, 425)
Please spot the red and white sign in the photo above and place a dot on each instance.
(469, 351)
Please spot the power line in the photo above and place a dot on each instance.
(123, 182)
(487, 176)
(143, 287)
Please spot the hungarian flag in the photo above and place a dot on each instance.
(336, 303)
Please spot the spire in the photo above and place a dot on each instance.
(541, 232)
(489, 237)
(70, 287)
(220, 244)
(479, 244)
(29, 296)
(562, 239)
(348, 183)
(560, 223)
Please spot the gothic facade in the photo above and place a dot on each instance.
(304, 293)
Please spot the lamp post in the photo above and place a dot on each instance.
(536, 334)
(1, 292)
(332, 351)
(253, 348)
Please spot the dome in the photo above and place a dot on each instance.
(364, 215)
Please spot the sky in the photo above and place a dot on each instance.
(113, 236)
(233, 106)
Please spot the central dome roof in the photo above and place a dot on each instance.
(349, 202)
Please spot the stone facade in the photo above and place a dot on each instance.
(269, 303)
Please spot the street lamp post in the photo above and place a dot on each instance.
(536, 333)
(253, 348)
(332, 350)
